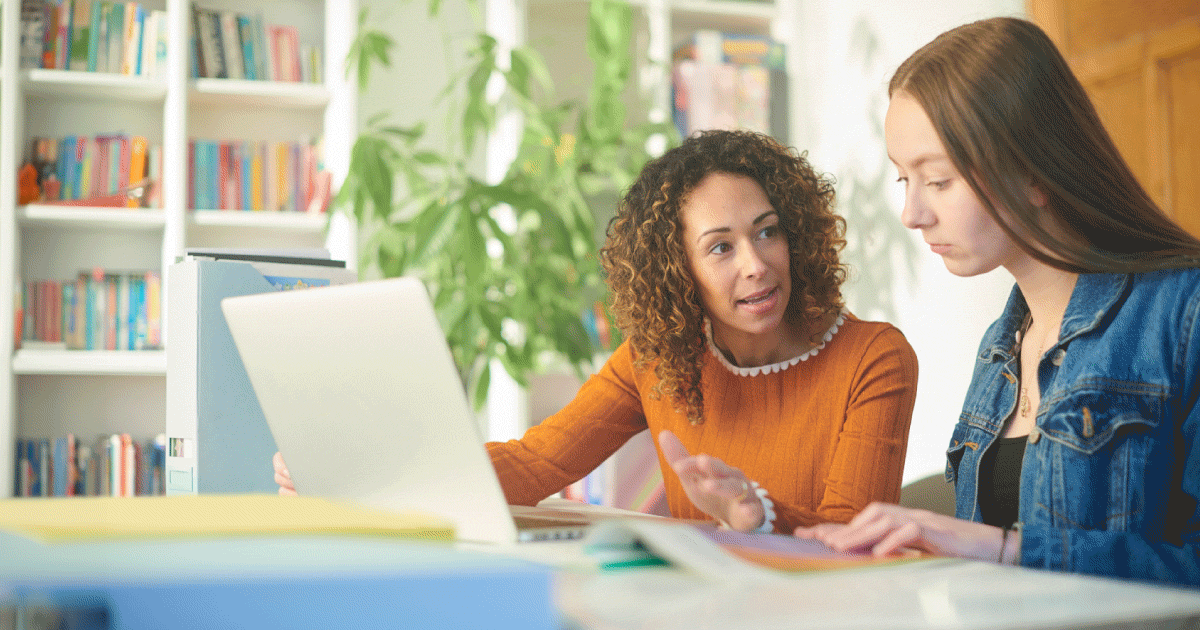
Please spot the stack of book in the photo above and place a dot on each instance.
(112, 465)
(93, 36)
(251, 175)
(99, 310)
(231, 45)
(82, 168)
(729, 81)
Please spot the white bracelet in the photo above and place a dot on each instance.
(768, 524)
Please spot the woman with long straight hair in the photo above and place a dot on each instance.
(1078, 447)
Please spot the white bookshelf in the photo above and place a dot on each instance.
(46, 391)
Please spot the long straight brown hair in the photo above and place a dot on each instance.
(1011, 113)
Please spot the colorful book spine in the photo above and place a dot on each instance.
(137, 165)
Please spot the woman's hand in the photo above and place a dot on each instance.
(717, 489)
(883, 528)
(282, 476)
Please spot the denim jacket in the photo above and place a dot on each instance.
(1111, 475)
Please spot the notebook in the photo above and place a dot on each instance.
(361, 394)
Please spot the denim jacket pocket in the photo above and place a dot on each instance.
(1087, 418)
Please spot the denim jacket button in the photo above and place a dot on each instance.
(1058, 357)
(1034, 436)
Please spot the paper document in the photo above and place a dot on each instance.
(71, 519)
(716, 553)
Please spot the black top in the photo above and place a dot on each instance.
(1000, 481)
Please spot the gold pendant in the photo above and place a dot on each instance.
(1024, 403)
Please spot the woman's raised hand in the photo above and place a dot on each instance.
(282, 476)
(716, 488)
(884, 528)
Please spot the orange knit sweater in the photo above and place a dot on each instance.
(824, 437)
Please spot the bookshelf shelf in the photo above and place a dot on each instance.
(710, 9)
(92, 85)
(91, 217)
(291, 221)
(89, 362)
(259, 93)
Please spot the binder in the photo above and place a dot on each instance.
(217, 437)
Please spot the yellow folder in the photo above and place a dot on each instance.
(71, 519)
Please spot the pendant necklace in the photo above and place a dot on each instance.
(1023, 407)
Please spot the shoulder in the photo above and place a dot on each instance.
(864, 342)
(1173, 284)
(876, 336)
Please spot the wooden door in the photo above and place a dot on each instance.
(1140, 62)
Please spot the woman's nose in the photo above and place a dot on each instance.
(915, 214)
(753, 264)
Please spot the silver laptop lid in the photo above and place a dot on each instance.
(364, 402)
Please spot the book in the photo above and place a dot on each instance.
(718, 554)
(62, 38)
(131, 39)
(207, 516)
(727, 81)
(231, 44)
(34, 25)
(81, 27)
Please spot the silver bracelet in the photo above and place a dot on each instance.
(1003, 544)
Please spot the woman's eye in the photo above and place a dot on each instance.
(719, 248)
(940, 184)
(769, 231)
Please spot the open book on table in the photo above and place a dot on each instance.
(717, 553)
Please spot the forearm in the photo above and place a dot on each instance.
(1114, 554)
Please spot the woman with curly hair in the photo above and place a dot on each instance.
(723, 267)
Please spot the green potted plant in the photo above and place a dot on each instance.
(511, 266)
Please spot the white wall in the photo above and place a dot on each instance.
(942, 316)
(427, 50)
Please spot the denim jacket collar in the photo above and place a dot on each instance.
(1094, 295)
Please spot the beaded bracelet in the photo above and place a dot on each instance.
(768, 524)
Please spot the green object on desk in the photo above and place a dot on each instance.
(619, 556)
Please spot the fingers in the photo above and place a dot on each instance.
(907, 535)
(282, 476)
(280, 467)
(673, 450)
(284, 482)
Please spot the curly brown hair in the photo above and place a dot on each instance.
(655, 301)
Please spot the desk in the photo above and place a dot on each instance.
(319, 582)
(936, 594)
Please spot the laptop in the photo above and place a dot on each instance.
(361, 394)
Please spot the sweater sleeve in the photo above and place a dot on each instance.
(868, 459)
(568, 445)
